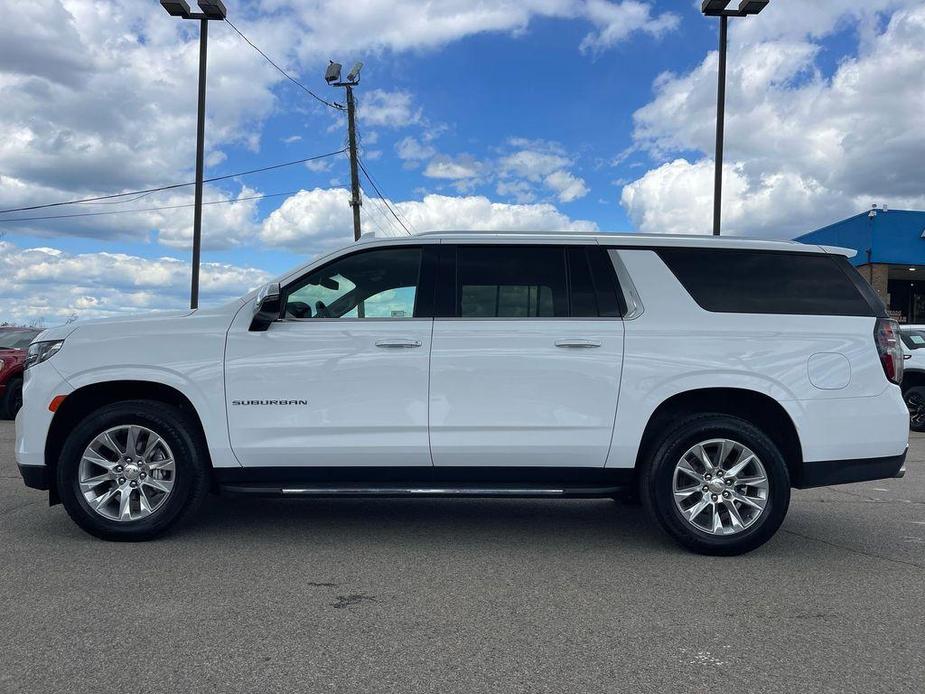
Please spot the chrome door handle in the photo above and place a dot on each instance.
(578, 344)
(398, 344)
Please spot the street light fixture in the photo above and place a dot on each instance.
(719, 8)
(212, 10)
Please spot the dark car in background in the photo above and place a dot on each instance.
(14, 342)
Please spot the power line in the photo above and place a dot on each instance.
(283, 72)
(382, 197)
(397, 211)
(146, 209)
(173, 186)
(390, 222)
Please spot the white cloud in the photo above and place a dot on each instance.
(331, 27)
(803, 149)
(412, 149)
(379, 107)
(566, 186)
(318, 220)
(615, 21)
(53, 285)
(451, 168)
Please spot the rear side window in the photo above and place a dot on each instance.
(511, 282)
(733, 281)
(520, 281)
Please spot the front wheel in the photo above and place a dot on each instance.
(12, 399)
(915, 401)
(717, 484)
(131, 470)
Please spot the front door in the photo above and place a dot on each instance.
(525, 372)
(342, 379)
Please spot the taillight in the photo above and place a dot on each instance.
(886, 337)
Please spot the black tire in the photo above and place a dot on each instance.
(12, 398)
(657, 474)
(191, 482)
(915, 401)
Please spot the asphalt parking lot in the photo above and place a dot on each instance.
(464, 596)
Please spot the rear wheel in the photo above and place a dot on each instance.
(12, 398)
(915, 401)
(131, 470)
(717, 484)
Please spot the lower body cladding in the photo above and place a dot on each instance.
(828, 473)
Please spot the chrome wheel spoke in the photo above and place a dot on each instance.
(165, 465)
(138, 485)
(686, 468)
(160, 485)
(103, 499)
(131, 441)
(696, 509)
(729, 504)
(93, 482)
(125, 501)
(742, 463)
(702, 456)
(91, 456)
(734, 516)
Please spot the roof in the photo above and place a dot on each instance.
(892, 237)
(621, 239)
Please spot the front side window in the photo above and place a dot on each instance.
(511, 282)
(380, 283)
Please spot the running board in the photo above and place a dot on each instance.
(399, 491)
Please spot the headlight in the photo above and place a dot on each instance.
(40, 351)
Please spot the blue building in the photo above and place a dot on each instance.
(891, 256)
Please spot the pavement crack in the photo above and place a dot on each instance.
(855, 551)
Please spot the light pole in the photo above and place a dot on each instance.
(332, 77)
(212, 10)
(718, 8)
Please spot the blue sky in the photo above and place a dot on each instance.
(571, 114)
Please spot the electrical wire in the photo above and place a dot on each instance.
(173, 186)
(394, 229)
(382, 197)
(399, 213)
(146, 209)
(283, 72)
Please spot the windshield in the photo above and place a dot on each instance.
(913, 339)
(16, 339)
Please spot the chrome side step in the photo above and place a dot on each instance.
(398, 491)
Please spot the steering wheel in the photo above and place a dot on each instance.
(321, 311)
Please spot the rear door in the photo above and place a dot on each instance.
(526, 357)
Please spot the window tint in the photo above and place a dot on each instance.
(582, 295)
(913, 339)
(380, 283)
(511, 282)
(733, 281)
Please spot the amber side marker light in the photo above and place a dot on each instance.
(56, 403)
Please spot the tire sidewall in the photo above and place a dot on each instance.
(658, 491)
(168, 423)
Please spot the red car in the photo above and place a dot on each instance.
(13, 345)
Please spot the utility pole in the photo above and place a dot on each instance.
(355, 200)
(332, 77)
(718, 8)
(212, 10)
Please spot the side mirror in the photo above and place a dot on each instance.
(267, 307)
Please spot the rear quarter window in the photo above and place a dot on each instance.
(733, 281)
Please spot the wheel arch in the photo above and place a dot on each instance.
(95, 395)
(761, 410)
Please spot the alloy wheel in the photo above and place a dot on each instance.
(126, 473)
(720, 487)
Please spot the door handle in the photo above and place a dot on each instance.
(398, 344)
(578, 344)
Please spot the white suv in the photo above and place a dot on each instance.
(711, 375)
